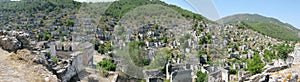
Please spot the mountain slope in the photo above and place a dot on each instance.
(265, 25)
(35, 5)
(119, 8)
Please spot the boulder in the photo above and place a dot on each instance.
(10, 43)
(13, 40)
(24, 39)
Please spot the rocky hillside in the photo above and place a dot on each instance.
(265, 25)
(139, 40)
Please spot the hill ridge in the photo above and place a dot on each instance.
(266, 25)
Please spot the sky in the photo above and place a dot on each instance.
(286, 11)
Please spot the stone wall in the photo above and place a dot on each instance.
(72, 68)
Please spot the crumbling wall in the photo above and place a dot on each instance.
(72, 68)
(81, 57)
(67, 64)
(88, 51)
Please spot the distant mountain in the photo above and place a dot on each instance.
(265, 25)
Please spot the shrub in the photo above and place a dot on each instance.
(202, 77)
(107, 65)
(232, 71)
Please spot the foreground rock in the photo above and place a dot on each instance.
(13, 40)
(19, 67)
(10, 43)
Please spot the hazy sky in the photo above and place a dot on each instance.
(285, 10)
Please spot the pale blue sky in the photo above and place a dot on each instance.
(285, 10)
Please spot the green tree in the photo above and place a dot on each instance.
(283, 50)
(255, 65)
(269, 55)
(138, 53)
(200, 30)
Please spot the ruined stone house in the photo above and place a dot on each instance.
(68, 59)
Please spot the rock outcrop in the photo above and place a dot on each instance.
(10, 43)
(13, 40)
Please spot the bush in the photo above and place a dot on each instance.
(107, 65)
(46, 36)
(69, 23)
(103, 48)
(8, 28)
(202, 77)
(232, 71)
(55, 59)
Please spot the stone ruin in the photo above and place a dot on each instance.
(296, 54)
(67, 59)
(13, 40)
(219, 75)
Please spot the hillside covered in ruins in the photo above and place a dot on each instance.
(139, 41)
